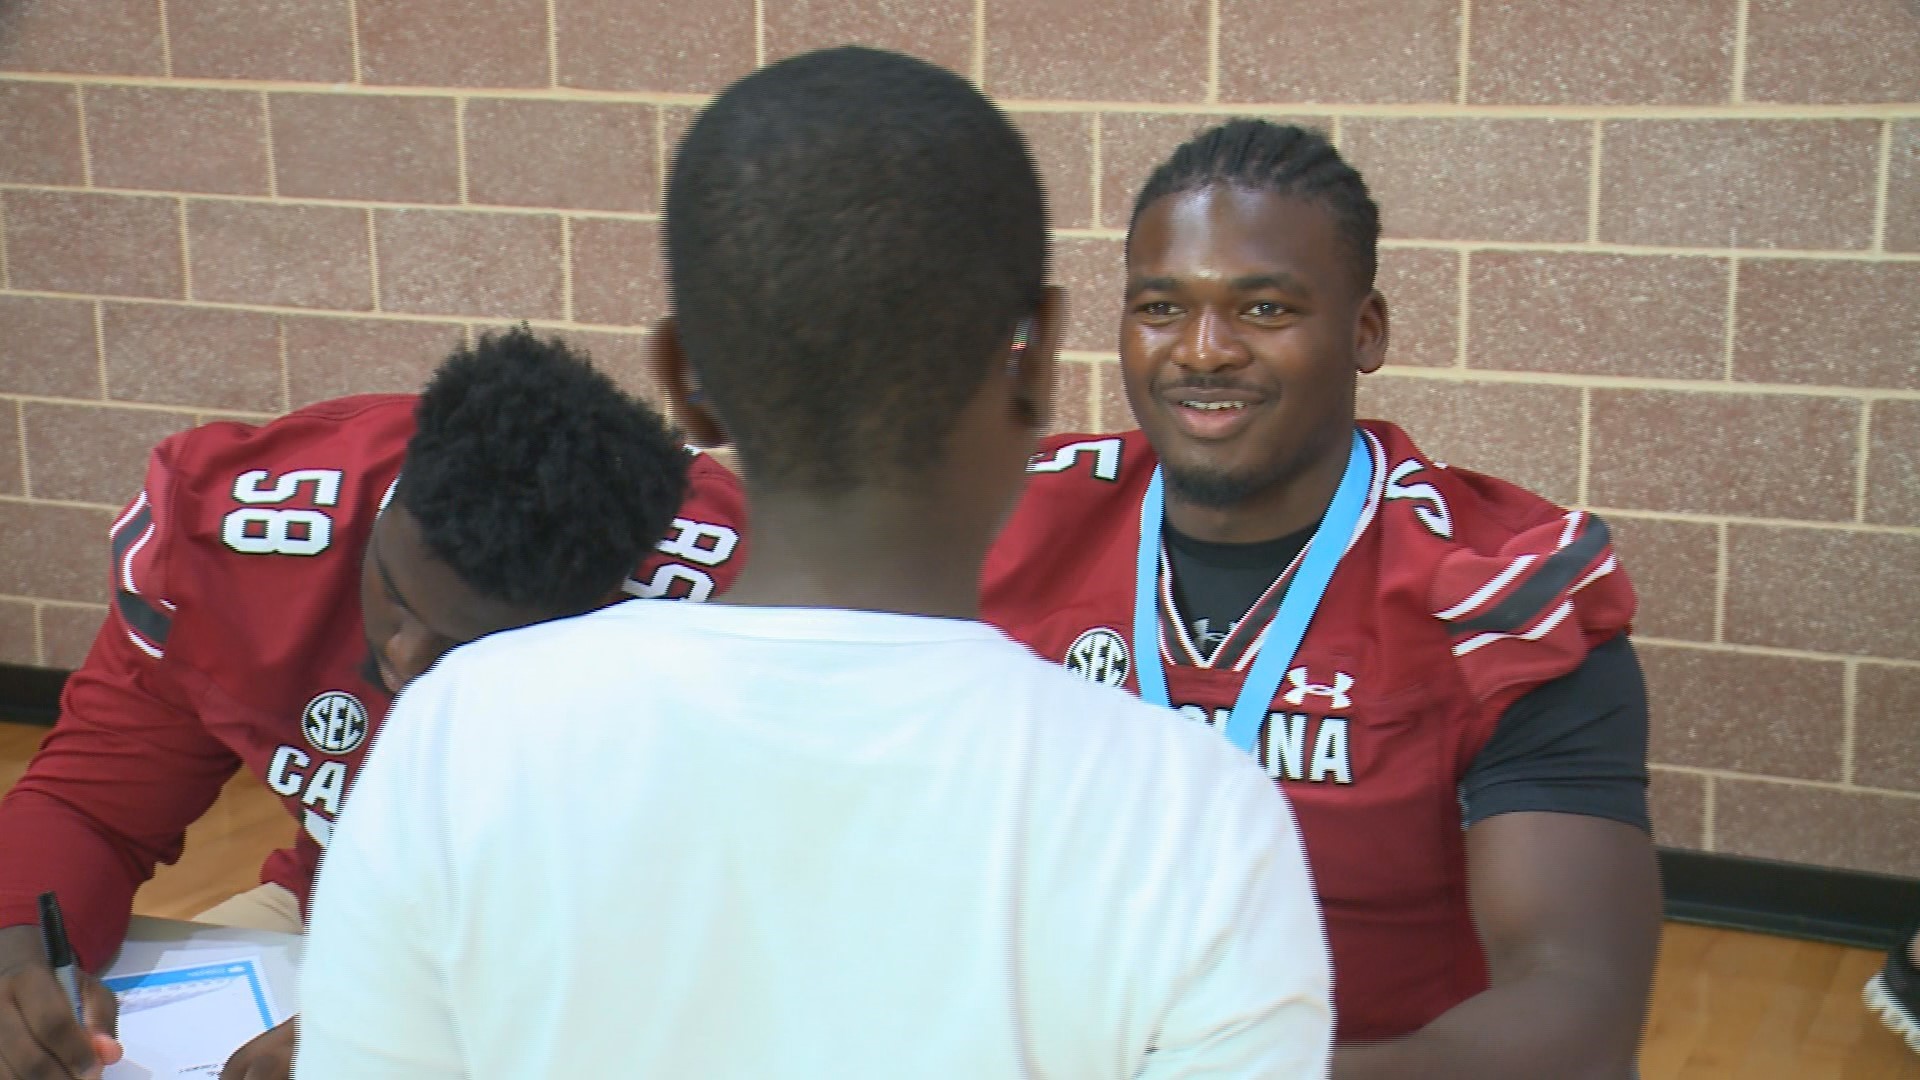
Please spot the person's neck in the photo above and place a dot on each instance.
(1292, 503)
(865, 550)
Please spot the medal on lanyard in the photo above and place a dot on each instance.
(1289, 625)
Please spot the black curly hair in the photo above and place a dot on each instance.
(1284, 159)
(536, 479)
(851, 235)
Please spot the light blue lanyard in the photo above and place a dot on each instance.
(1289, 624)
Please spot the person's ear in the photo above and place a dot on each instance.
(1370, 333)
(667, 365)
(1035, 358)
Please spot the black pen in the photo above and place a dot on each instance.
(53, 932)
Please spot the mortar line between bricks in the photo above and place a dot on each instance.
(266, 130)
(460, 150)
(1881, 184)
(1463, 313)
(1575, 248)
(442, 318)
(1706, 812)
(566, 269)
(39, 636)
(1416, 110)
(1849, 726)
(979, 59)
(1635, 513)
(51, 602)
(1731, 328)
(186, 248)
(353, 39)
(166, 41)
(20, 433)
(1863, 454)
(86, 149)
(759, 33)
(1793, 781)
(357, 204)
(1739, 87)
(1581, 483)
(6, 270)
(1629, 382)
(553, 45)
(100, 345)
(1465, 57)
(66, 504)
(373, 259)
(286, 368)
(1213, 52)
(1593, 185)
(1722, 577)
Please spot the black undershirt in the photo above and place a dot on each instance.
(1574, 745)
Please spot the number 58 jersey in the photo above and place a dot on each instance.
(234, 640)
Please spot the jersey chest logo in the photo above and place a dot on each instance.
(334, 723)
(1299, 689)
(1100, 655)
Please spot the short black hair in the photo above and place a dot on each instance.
(1285, 159)
(851, 234)
(535, 478)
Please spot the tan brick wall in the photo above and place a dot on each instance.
(1656, 257)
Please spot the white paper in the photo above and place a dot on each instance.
(186, 1021)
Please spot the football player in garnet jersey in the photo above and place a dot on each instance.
(1431, 663)
(273, 586)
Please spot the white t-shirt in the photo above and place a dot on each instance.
(698, 841)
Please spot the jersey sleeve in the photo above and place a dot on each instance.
(1531, 611)
(1575, 745)
(127, 766)
(706, 545)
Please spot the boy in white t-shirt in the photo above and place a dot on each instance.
(831, 825)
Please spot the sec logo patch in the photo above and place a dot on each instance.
(1100, 655)
(335, 722)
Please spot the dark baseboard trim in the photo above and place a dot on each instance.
(30, 695)
(1845, 907)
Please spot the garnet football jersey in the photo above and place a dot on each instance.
(1457, 594)
(234, 639)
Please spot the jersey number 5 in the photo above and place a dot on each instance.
(262, 528)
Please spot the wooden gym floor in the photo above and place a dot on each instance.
(1726, 1004)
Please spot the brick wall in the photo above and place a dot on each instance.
(1656, 257)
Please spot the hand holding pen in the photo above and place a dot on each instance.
(47, 1028)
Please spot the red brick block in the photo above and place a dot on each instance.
(1658, 317)
(1820, 826)
(1903, 188)
(674, 122)
(385, 149)
(67, 632)
(94, 37)
(1132, 145)
(1828, 323)
(1309, 50)
(1849, 51)
(1824, 590)
(1678, 803)
(1444, 179)
(49, 349)
(1062, 146)
(1751, 455)
(1629, 52)
(203, 357)
(40, 128)
(1527, 435)
(55, 552)
(1097, 50)
(1739, 183)
(1422, 288)
(330, 357)
(93, 453)
(940, 31)
(18, 640)
(622, 355)
(1093, 272)
(1112, 410)
(1074, 409)
(85, 242)
(1673, 566)
(169, 139)
(1705, 713)
(452, 262)
(1893, 463)
(1885, 752)
(13, 473)
(653, 44)
(463, 43)
(574, 155)
(275, 253)
(280, 40)
(618, 278)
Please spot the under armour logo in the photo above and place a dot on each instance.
(1299, 688)
(1099, 655)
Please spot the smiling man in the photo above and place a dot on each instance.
(1431, 663)
(274, 586)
